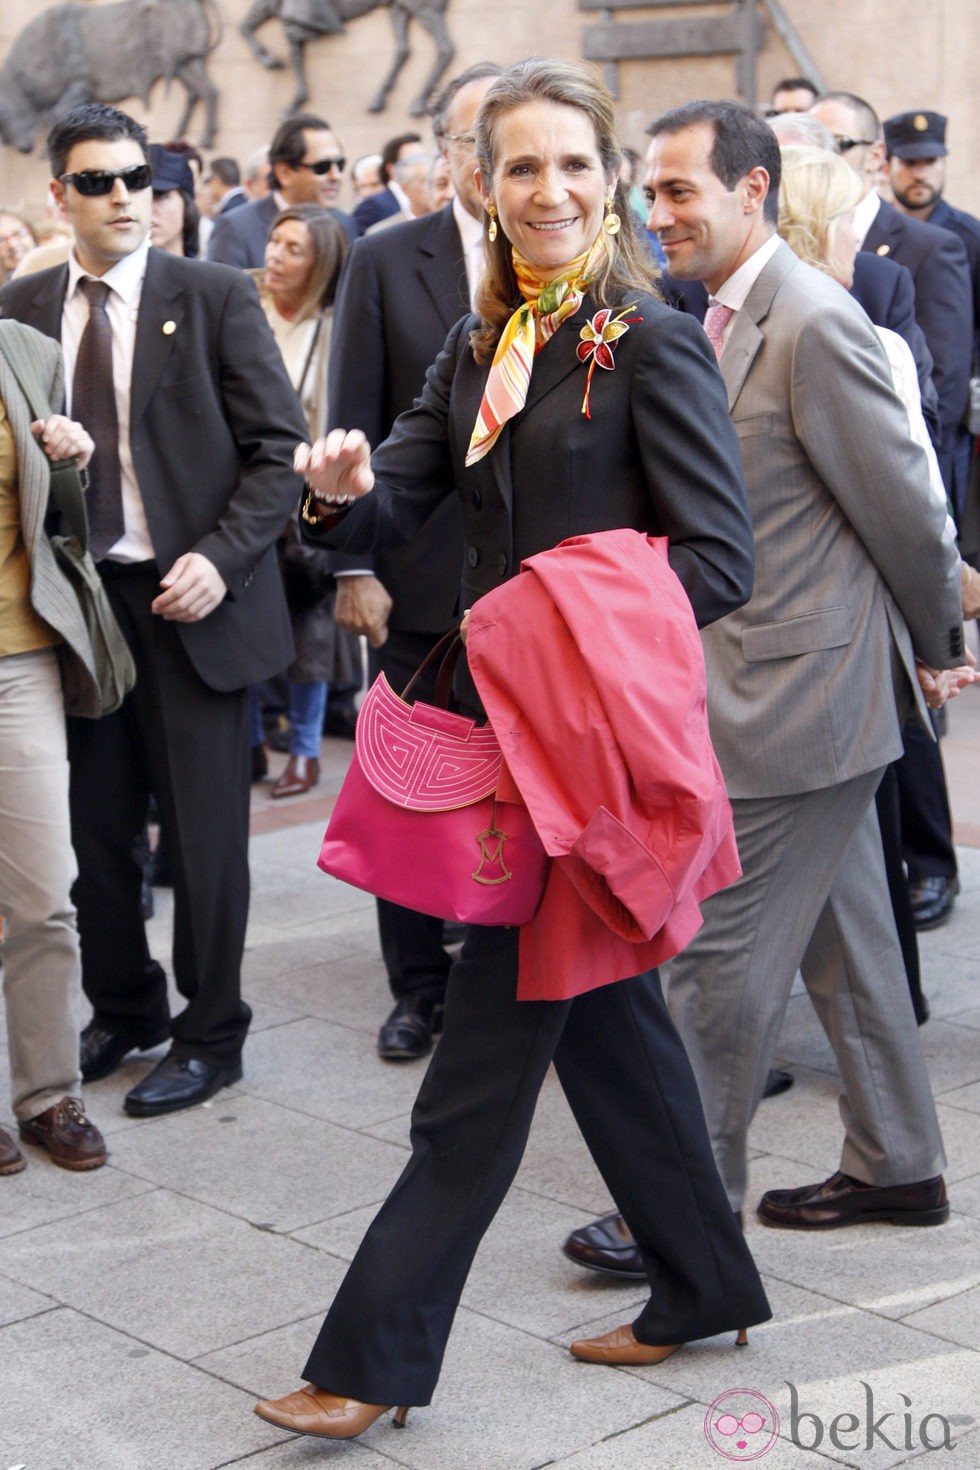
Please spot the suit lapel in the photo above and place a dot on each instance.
(161, 312)
(882, 237)
(48, 302)
(746, 337)
(442, 268)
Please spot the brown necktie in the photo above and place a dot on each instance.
(716, 319)
(93, 403)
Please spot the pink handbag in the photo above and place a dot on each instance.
(417, 820)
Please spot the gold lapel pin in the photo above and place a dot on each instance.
(882, 250)
(169, 328)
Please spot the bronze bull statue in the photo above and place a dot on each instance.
(72, 54)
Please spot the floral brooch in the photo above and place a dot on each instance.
(599, 337)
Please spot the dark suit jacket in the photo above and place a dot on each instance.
(659, 454)
(967, 227)
(374, 208)
(213, 424)
(239, 237)
(943, 308)
(401, 291)
(236, 198)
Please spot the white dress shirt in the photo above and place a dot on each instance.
(125, 280)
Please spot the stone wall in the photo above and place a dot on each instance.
(901, 54)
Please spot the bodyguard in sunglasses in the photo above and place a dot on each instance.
(306, 166)
(175, 372)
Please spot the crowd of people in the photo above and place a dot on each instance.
(303, 426)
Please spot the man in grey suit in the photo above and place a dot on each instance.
(808, 683)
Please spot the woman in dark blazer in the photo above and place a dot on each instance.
(654, 452)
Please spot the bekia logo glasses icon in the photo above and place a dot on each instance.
(742, 1425)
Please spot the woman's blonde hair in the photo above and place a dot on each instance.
(630, 266)
(330, 245)
(817, 188)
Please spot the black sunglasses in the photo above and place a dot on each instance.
(93, 181)
(324, 165)
(844, 144)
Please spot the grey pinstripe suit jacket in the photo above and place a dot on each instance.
(52, 594)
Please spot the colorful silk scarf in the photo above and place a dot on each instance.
(546, 305)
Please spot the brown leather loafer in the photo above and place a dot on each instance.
(11, 1158)
(324, 1415)
(70, 1139)
(620, 1346)
(842, 1200)
(300, 774)
(606, 1245)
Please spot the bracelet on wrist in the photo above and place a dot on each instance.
(316, 508)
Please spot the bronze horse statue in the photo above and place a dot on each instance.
(305, 20)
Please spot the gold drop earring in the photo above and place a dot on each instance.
(492, 227)
(612, 224)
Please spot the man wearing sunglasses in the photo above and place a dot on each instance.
(306, 166)
(194, 419)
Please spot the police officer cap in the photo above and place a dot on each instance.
(916, 135)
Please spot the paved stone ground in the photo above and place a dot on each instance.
(144, 1307)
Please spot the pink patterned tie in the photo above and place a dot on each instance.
(716, 319)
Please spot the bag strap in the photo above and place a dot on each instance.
(448, 649)
(65, 479)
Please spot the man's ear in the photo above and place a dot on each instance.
(58, 195)
(755, 187)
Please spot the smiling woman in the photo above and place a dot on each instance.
(568, 287)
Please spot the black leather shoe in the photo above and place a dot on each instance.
(178, 1082)
(777, 1082)
(608, 1246)
(932, 900)
(407, 1034)
(841, 1200)
(102, 1051)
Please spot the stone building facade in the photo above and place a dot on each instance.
(900, 54)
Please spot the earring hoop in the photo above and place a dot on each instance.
(612, 224)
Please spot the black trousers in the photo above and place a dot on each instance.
(189, 745)
(927, 827)
(633, 1094)
(414, 957)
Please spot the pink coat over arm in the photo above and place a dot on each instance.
(590, 668)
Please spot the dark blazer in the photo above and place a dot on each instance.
(401, 292)
(967, 227)
(658, 454)
(373, 208)
(236, 198)
(239, 237)
(213, 424)
(943, 307)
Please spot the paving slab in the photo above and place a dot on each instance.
(42, 1192)
(18, 1302)
(172, 1273)
(828, 1350)
(321, 1070)
(677, 1441)
(262, 1162)
(80, 1396)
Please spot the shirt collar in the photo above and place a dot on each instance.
(470, 229)
(864, 215)
(124, 277)
(735, 290)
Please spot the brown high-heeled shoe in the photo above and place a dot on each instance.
(311, 1410)
(621, 1347)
